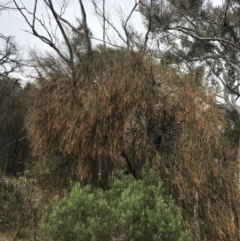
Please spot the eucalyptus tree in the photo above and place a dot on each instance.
(190, 33)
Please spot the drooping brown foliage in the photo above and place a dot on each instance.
(126, 109)
(101, 120)
(201, 172)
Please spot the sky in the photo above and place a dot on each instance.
(12, 22)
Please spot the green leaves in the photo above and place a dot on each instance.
(130, 210)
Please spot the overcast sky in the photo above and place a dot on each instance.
(12, 23)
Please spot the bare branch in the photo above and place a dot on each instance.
(125, 23)
(225, 13)
(62, 31)
(9, 56)
(190, 33)
(49, 39)
(108, 42)
(104, 26)
(86, 30)
(128, 39)
(149, 27)
(100, 13)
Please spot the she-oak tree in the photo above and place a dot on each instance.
(113, 110)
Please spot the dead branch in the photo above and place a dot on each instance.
(50, 38)
(10, 60)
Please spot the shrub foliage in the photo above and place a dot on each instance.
(130, 210)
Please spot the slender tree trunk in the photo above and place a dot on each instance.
(238, 183)
(104, 26)
(99, 169)
(196, 216)
(238, 175)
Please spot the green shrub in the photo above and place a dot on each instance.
(130, 210)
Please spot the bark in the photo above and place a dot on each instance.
(196, 217)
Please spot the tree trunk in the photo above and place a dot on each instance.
(238, 183)
(196, 217)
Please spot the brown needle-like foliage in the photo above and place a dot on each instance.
(127, 109)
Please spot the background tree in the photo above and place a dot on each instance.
(10, 61)
(207, 35)
(13, 141)
(13, 144)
